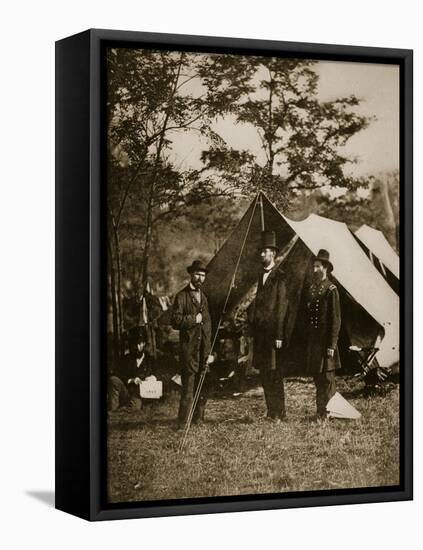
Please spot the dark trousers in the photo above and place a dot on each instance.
(190, 382)
(325, 390)
(274, 392)
(119, 395)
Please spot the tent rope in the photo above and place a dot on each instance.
(231, 286)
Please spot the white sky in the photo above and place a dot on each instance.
(377, 147)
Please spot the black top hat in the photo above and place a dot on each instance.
(268, 240)
(324, 257)
(196, 265)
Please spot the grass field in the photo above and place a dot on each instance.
(237, 452)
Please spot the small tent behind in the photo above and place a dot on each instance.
(370, 309)
(380, 253)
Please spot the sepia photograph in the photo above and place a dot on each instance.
(253, 274)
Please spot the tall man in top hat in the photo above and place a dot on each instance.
(268, 321)
(323, 325)
(190, 315)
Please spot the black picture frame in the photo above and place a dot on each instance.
(81, 267)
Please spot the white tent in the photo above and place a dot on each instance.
(354, 271)
(379, 246)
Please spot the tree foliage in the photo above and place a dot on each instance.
(379, 208)
(301, 137)
(150, 101)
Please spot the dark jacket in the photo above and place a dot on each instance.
(133, 366)
(268, 319)
(194, 338)
(323, 326)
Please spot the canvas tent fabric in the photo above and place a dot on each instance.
(376, 247)
(381, 254)
(369, 306)
(378, 244)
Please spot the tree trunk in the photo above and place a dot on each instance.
(271, 152)
(380, 197)
(147, 243)
(149, 229)
(118, 282)
(115, 319)
(118, 275)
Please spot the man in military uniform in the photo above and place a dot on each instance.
(268, 321)
(323, 325)
(190, 315)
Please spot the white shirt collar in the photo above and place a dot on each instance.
(268, 269)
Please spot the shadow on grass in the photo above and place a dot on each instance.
(369, 391)
(229, 421)
(127, 424)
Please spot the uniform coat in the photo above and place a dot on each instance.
(194, 338)
(323, 325)
(268, 319)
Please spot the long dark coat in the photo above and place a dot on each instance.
(194, 338)
(323, 325)
(268, 320)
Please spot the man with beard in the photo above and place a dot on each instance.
(190, 315)
(323, 325)
(268, 321)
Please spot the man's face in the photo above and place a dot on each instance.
(267, 255)
(319, 270)
(198, 278)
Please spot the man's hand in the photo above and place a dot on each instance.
(330, 352)
(278, 344)
(210, 359)
(198, 318)
(137, 381)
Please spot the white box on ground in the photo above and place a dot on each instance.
(151, 388)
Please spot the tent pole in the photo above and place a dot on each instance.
(261, 211)
(231, 285)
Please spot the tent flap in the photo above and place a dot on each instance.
(377, 243)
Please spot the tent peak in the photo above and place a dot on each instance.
(308, 218)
